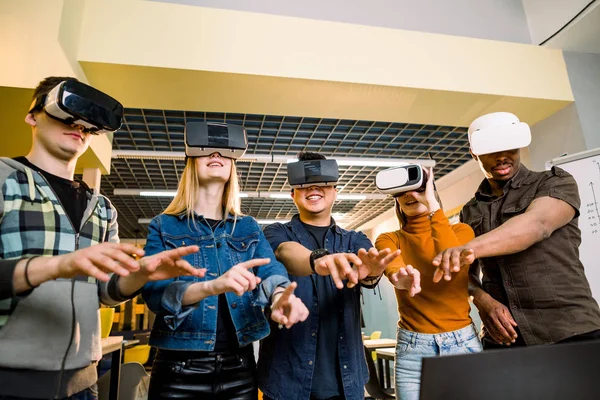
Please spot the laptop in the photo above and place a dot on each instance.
(565, 372)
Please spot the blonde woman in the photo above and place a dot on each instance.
(205, 326)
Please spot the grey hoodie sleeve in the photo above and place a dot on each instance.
(109, 291)
(7, 267)
(7, 270)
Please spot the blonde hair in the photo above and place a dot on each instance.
(187, 192)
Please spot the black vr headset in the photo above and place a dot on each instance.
(398, 180)
(74, 103)
(206, 138)
(312, 173)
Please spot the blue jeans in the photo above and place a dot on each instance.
(412, 347)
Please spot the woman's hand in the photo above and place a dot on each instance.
(427, 197)
(239, 279)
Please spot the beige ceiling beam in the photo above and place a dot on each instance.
(166, 56)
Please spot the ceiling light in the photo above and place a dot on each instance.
(271, 221)
(351, 197)
(158, 193)
(338, 216)
(365, 196)
(272, 195)
(381, 162)
(271, 158)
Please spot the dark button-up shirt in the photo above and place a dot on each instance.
(286, 363)
(544, 286)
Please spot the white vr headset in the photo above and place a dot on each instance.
(496, 132)
(205, 138)
(397, 180)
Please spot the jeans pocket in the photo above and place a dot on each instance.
(473, 345)
(402, 348)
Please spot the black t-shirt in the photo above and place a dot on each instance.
(326, 360)
(226, 333)
(71, 194)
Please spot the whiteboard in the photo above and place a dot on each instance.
(585, 168)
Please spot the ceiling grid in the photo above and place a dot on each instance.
(163, 130)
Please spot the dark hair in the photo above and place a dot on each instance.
(307, 156)
(402, 219)
(47, 84)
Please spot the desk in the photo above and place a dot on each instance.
(388, 355)
(379, 343)
(127, 344)
(114, 345)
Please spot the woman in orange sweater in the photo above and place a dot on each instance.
(437, 321)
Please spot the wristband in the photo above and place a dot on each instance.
(25, 272)
(317, 254)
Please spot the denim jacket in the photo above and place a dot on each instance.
(287, 356)
(193, 327)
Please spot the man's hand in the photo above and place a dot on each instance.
(98, 261)
(288, 309)
(238, 279)
(451, 260)
(497, 319)
(338, 266)
(407, 278)
(169, 264)
(374, 262)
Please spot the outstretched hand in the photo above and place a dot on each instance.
(408, 278)
(339, 266)
(288, 309)
(170, 264)
(374, 262)
(239, 279)
(451, 260)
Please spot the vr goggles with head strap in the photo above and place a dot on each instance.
(312, 173)
(496, 132)
(398, 180)
(205, 138)
(74, 103)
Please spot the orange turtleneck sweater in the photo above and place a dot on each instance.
(439, 307)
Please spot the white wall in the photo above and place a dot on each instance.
(487, 19)
(546, 17)
(557, 135)
(584, 74)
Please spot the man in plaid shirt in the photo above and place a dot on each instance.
(60, 257)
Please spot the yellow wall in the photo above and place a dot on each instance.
(207, 39)
(29, 47)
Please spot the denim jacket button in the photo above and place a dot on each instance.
(234, 305)
(218, 245)
(314, 334)
(310, 362)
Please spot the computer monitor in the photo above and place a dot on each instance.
(567, 371)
